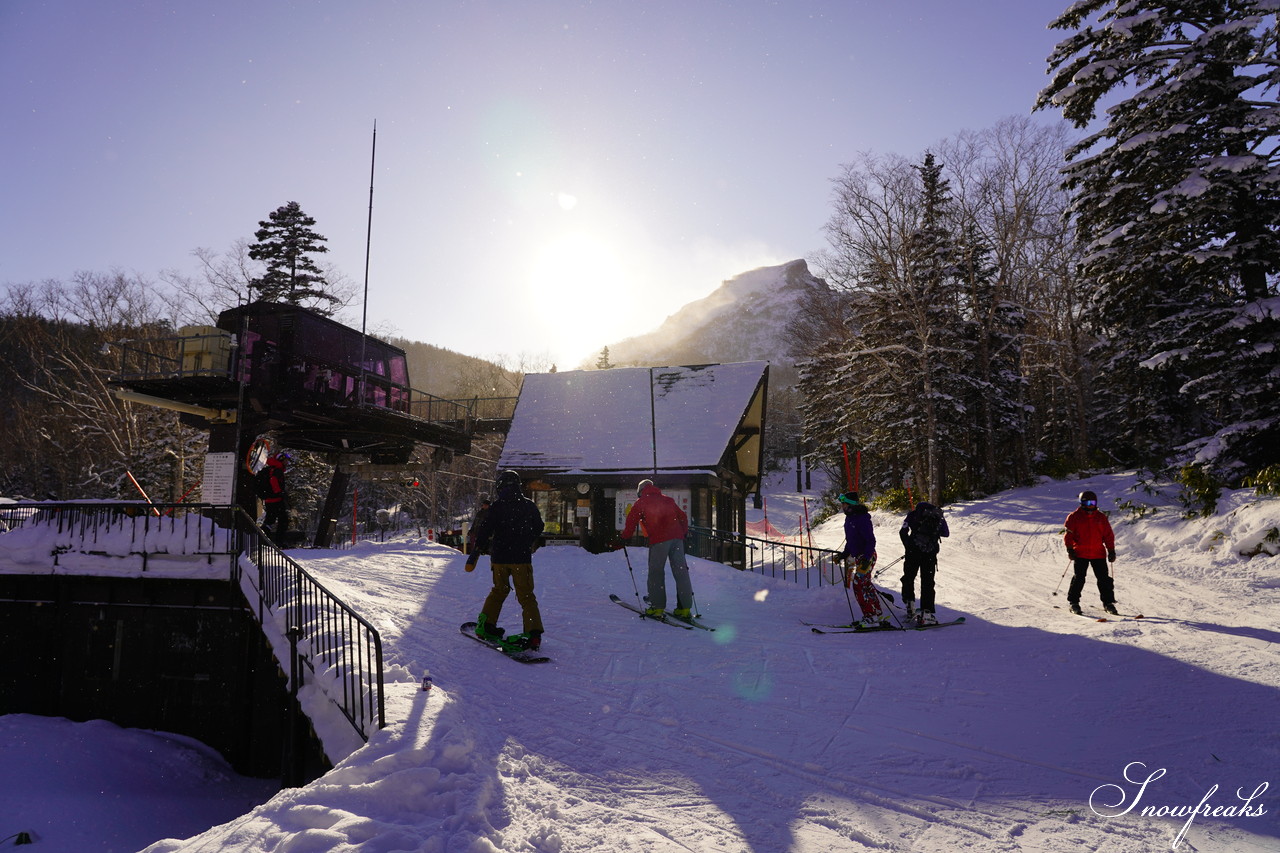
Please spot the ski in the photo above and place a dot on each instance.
(1113, 617)
(665, 618)
(848, 629)
(959, 620)
(522, 655)
(692, 620)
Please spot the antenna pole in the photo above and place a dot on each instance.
(368, 237)
(368, 241)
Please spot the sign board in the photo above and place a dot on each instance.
(218, 484)
(682, 497)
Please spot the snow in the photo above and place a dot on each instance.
(1025, 729)
(605, 419)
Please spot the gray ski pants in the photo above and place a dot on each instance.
(659, 554)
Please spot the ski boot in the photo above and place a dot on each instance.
(1110, 607)
(654, 612)
(1075, 608)
(685, 613)
(928, 617)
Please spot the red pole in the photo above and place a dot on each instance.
(138, 486)
(807, 528)
(848, 476)
(170, 510)
(857, 470)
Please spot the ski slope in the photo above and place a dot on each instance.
(1013, 732)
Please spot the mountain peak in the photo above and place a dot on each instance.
(744, 319)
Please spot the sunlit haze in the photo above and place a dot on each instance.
(550, 177)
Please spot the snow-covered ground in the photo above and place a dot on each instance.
(1025, 729)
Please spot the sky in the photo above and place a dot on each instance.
(602, 163)
(1024, 730)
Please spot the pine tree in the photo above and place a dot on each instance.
(285, 244)
(602, 363)
(1178, 207)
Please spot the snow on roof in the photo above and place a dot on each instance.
(604, 420)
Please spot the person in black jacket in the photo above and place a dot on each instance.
(921, 531)
(509, 534)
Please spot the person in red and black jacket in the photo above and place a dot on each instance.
(665, 525)
(275, 497)
(1090, 542)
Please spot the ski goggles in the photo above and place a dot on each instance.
(1090, 504)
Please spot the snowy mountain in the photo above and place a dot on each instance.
(742, 320)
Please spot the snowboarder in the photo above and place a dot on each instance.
(860, 547)
(921, 531)
(666, 526)
(275, 497)
(509, 534)
(1090, 542)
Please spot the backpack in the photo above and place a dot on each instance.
(262, 483)
(925, 530)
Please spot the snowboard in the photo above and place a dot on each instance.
(468, 629)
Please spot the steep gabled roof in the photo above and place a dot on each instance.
(639, 419)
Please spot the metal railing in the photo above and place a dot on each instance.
(799, 563)
(342, 651)
(340, 648)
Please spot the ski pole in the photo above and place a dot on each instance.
(888, 564)
(1070, 563)
(631, 572)
(847, 581)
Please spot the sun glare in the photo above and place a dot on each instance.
(579, 288)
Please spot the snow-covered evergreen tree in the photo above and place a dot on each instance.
(1178, 205)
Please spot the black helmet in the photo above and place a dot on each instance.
(640, 487)
(1088, 498)
(850, 498)
(508, 480)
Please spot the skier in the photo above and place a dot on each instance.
(920, 534)
(860, 546)
(666, 526)
(1090, 542)
(509, 534)
(275, 497)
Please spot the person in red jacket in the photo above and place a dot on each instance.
(665, 525)
(1090, 542)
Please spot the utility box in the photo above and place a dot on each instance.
(206, 351)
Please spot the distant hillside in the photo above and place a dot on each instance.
(745, 319)
(452, 375)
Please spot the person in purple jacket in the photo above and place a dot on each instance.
(860, 552)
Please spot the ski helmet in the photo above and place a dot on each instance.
(644, 484)
(850, 498)
(508, 480)
(1088, 499)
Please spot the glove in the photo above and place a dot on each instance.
(1071, 553)
(471, 562)
(1111, 555)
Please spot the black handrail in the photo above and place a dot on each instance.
(768, 557)
(342, 651)
(336, 644)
